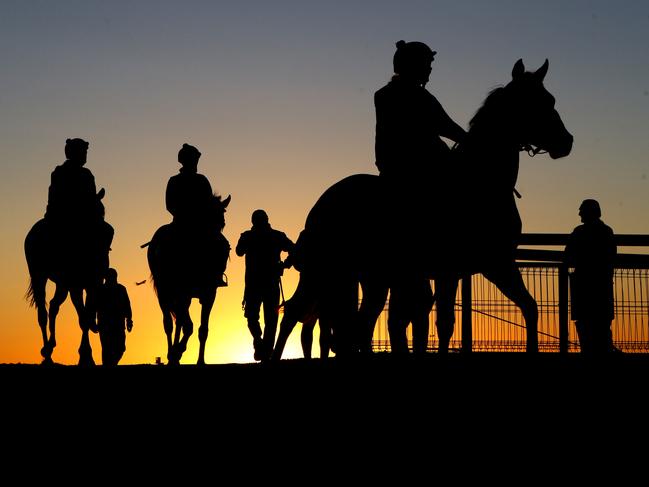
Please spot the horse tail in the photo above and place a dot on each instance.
(36, 264)
(154, 282)
(29, 295)
(35, 294)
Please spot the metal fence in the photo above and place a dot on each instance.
(496, 324)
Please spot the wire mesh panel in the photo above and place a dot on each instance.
(498, 324)
(629, 328)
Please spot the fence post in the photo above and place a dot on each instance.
(467, 325)
(563, 308)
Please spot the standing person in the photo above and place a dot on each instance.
(114, 316)
(262, 246)
(591, 251)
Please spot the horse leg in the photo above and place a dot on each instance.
(339, 309)
(207, 302)
(168, 324)
(37, 291)
(289, 320)
(397, 325)
(375, 294)
(185, 325)
(445, 292)
(173, 355)
(85, 350)
(327, 339)
(510, 282)
(306, 336)
(270, 301)
(301, 304)
(420, 332)
(60, 294)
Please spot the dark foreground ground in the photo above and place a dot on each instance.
(477, 382)
(468, 416)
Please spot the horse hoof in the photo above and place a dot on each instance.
(86, 362)
(47, 361)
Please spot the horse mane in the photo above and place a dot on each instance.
(490, 107)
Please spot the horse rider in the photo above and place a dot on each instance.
(409, 119)
(72, 195)
(75, 214)
(413, 159)
(189, 198)
(188, 192)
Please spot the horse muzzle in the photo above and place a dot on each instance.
(562, 149)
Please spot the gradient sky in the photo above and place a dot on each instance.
(278, 98)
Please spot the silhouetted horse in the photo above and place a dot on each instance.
(468, 223)
(187, 264)
(76, 261)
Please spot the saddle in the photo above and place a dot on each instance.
(83, 247)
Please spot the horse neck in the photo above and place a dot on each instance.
(493, 152)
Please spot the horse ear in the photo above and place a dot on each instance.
(519, 69)
(542, 71)
(101, 194)
(226, 201)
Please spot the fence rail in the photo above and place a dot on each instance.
(490, 322)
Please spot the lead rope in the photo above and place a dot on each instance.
(281, 290)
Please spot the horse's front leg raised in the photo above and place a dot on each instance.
(510, 282)
(85, 350)
(207, 302)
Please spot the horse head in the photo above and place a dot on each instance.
(216, 211)
(100, 209)
(534, 119)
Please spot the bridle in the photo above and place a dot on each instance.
(531, 150)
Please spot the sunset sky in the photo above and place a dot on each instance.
(278, 98)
